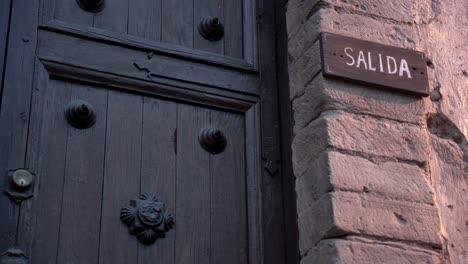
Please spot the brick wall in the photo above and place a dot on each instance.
(381, 176)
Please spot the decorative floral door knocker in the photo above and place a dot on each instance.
(147, 218)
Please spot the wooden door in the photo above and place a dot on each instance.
(110, 107)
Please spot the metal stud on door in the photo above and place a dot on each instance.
(212, 140)
(80, 114)
(91, 5)
(211, 29)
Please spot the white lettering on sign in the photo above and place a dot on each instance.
(388, 65)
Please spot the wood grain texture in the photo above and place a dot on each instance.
(145, 143)
(177, 22)
(335, 62)
(113, 17)
(250, 32)
(71, 12)
(289, 187)
(253, 170)
(118, 60)
(5, 6)
(228, 233)
(233, 28)
(83, 178)
(193, 188)
(50, 164)
(159, 47)
(204, 9)
(164, 88)
(7, 210)
(272, 199)
(144, 19)
(15, 105)
(28, 218)
(174, 23)
(121, 176)
(158, 170)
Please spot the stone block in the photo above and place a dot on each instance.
(368, 28)
(324, 94)
(355, 252)
(316, 223)
(386, 139)
(304, 69)
(304, 38)
(409, 12)
(298, 12)
(340, 172)
(314, 183)
(342, 213)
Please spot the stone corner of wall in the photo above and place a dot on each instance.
(366, 163)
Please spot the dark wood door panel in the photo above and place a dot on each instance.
(154, 85)
(48, 232)
(138, 144)
(4, 24)
(15, 106)
(135, 63)
(212, 204)
(121, 175)
(168, 21)
(229, 235)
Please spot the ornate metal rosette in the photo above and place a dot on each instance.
(80, 114)
(212, 140)
(91, 5)
(147, 218)
(211, 29)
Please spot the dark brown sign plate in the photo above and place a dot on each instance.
(373, 63)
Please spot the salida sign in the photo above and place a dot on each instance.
(373, 63)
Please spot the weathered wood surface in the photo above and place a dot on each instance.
(233, 29)
(158, 170)
(86, 176)
(80, 224)
(373, 63)
(133, 63)
(228, 234)
(15, 106)
(151, 104)
(5, 6)
(144, 19)
(121, 175)
(204, 9)
(272, 199)
(171, 22)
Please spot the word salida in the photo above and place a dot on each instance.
(384, 64)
